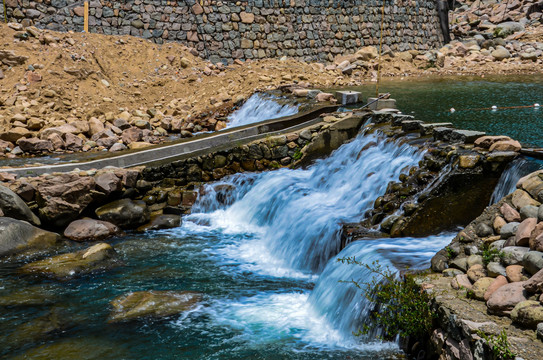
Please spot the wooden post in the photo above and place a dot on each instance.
(86, 18)
(5, 12)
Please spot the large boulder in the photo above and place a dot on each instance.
(99, 257)
(108, 182)
(503, 300)
(90, 230)
(17, 236)
(154, 304)
(125, 213)
(162, 222)
(535, 283)
(62, 198)
(533, 261)
(35, 145)
(528, 313)
(13, 206)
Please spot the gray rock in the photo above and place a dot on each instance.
(484, 230)
(501, 53)
(18, 236)
(162, 222)
(474, 259)
(460, 263)
(497, 245)
(529, 211)
(13, 206)
(540, 213)
(533, 261)
(452, 272)
(507, 28)
(509, 230)
(540, 331)
(513, 255)
(495, 268)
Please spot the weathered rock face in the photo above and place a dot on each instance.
(125, 213)
(17, 236)
(99, 257)
(90, 230)
(62, 198)
(13, 206)
(153, 304)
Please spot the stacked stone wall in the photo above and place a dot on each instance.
(226, 30)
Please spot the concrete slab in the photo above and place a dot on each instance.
(348, 97)
(382, 104)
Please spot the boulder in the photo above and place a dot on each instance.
(504, 299)
(508, 28)
(521, 198)
(13, 206)
(535, 283)
(513, 255)
(151, 304)
(533, 261)
(99, 257)
(510, 214)
(162, 222)
(461, 281)
(495, 269)
(17, 236)
(476, 272)
(508, 230)
(528, 314)
(506, 145)
(125, 213)
(515, 273)
(108, 182)
(35, 145)
(536, 238)
(529, 211)
(498, 223)
(62, 198)
(487, 141)
(522, 237)
(480, 287)
(90, 230)
(132, 134)
(532, 183)
(501, 53)
(484, 230)
(495, 285)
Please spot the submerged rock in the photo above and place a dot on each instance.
(17, 236)
(154, 304)
(90, 230)
(13, 206)
(99, 257)
(125, 213)
(37, 295)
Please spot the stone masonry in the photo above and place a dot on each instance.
(310, 30)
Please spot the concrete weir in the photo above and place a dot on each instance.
(185, 148)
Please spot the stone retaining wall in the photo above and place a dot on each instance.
(227, 30)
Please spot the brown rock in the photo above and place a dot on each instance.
(461, 281)
(503, 300)
(108, 182)
(521, 198)
(480, 287)
(498, 223)
(532, 183)
(56, 141)
(495, 285)
(506, 145)
(132, 134)
(510, 214)
(72, 142)
(95, 126)
(247, 18)
(536, 238)
(90, 230)
(515, 273)
(487, 141)
(322, 97)
(476, 272)
(535, 283)
(14, 134)
(524, 231)
(35, 145)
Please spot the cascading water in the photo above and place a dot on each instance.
(299, 212)
(261, 107)
(511, 175)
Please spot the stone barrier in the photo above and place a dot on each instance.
(310, 30)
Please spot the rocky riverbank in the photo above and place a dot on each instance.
(496, 265)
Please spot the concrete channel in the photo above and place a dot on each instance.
(179, 149)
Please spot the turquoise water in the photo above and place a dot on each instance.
(431, 99)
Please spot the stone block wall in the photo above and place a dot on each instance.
(251, 29)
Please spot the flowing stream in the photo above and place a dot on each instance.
(262, 250)
(260, 107)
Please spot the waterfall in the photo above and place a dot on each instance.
(298, 214)
(261, 107)
(510, 176)
(344, 304)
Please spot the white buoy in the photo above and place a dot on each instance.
(536, 105)
(452, 110)
(494, 108)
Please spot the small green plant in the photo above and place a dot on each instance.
(450, 252)
(491, 254)
(297, 155)
(499, 344)
(401, 307)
